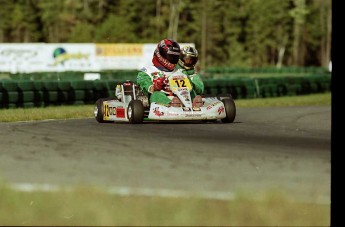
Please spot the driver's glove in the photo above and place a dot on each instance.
(158, 84)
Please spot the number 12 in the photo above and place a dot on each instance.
(180, 83)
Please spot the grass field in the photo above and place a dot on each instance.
(95, 206)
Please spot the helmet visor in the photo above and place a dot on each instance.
(190, 61)
(173, 58)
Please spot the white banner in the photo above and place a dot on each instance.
(21, 57)
(59, 57)
(70, 57)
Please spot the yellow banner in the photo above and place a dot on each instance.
(109, 50)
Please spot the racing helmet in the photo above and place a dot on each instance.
(188, 57)
(167, 54)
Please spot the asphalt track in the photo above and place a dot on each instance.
(281, 148)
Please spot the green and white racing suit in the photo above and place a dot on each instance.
(146, 76)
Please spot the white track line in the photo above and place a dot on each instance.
(47, 120)
(127, 191)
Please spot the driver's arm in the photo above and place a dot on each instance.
(145, 82)
(198, 84)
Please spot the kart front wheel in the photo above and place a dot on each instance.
(230, 110)
(98, 111)
(135, 112)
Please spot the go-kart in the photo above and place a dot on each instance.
(131, 105)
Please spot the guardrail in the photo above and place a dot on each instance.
(275, 70)
(38, 93)
(246, 87)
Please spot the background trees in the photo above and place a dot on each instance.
(226, 32)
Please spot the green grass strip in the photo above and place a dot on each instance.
(94, 207)
(86, 111)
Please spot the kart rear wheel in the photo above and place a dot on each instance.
(135, 112)
(99, 110)
(230, 110)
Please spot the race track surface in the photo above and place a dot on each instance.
(265, 148)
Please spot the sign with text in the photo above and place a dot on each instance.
(59, 57)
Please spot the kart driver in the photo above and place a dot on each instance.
(152, 78)
(187, 62)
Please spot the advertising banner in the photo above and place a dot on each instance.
(118, 56)
(70, 57)
(60, 57)
(21, 57)
(34, 57)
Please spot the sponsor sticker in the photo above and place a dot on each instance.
(157, 112)
(172, 114)
(221, 110)
(178, 77)
(186, 109)
(108, 111)
(193, 115)
(212, 105)
(186, 98)
(120, 112)
(185, 93)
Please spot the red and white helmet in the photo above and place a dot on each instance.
(166, 54)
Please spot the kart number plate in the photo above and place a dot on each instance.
(179, 83)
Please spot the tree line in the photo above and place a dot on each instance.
(238, 33)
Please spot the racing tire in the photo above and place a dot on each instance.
(135, 112)
(99, 111)
(230, 110)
